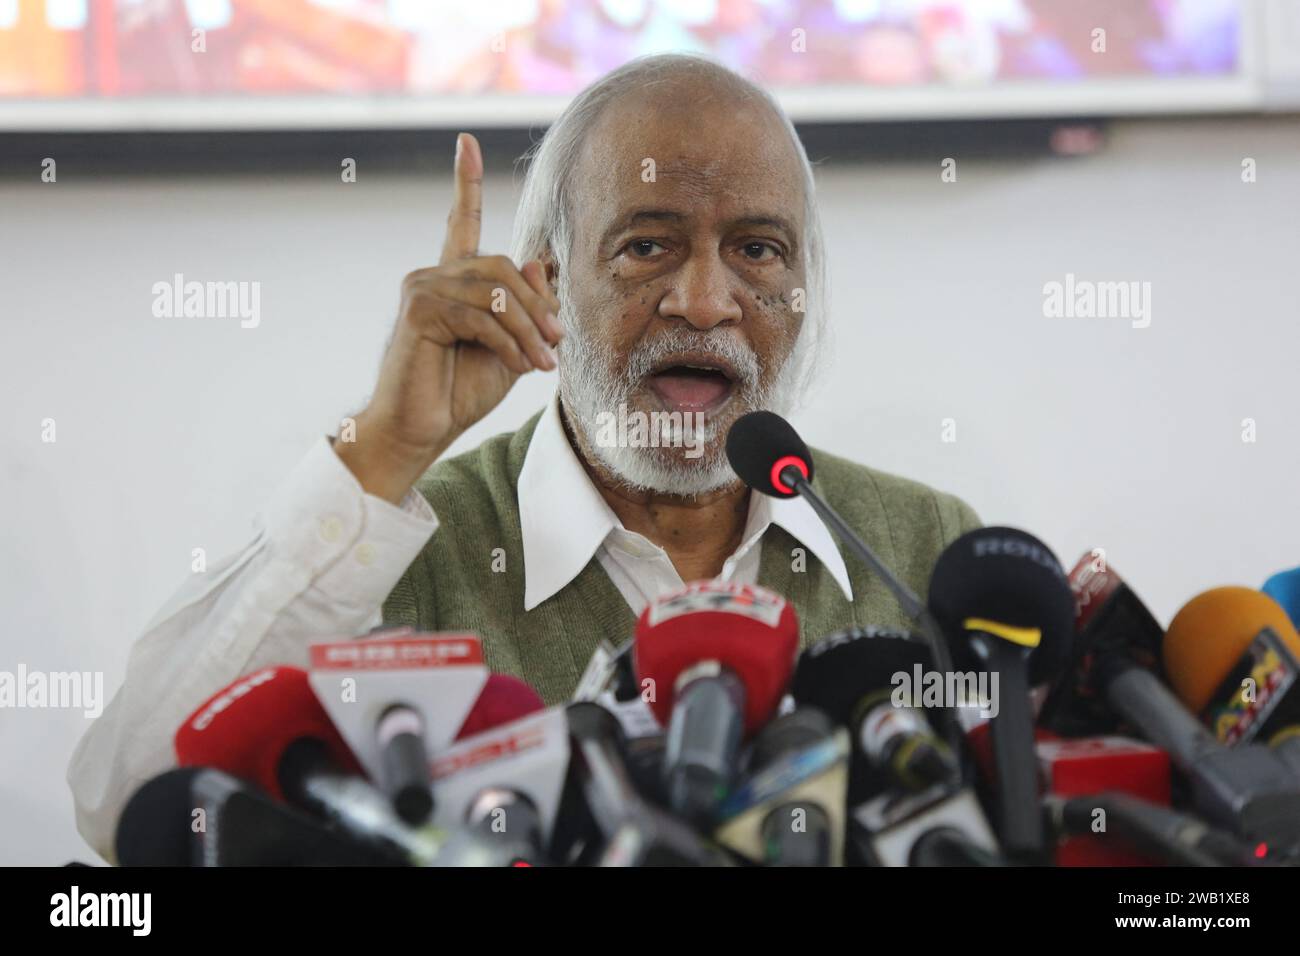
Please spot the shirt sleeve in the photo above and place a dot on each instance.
(324, 556)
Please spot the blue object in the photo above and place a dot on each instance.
(1284, 588)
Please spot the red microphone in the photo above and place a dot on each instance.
(248, 728)
(269, 728)
(716, 658)
(503, 699)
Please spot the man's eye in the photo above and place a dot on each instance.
(755, 250)
(643, 247)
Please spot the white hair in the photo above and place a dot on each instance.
(544, 219)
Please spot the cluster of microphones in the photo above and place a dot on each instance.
(1030, 717)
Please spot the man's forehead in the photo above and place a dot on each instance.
(675, 177)
(691, 150)
(715, 150)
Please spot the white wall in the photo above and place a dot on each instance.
(1087, 432)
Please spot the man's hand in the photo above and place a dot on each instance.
(466, 330)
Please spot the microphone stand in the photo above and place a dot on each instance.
(909, 602)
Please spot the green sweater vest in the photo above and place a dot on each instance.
(451, 585)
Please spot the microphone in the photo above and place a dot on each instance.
(502, 700)
(942, 826)
(789, 810)
(197, 816)
(504, 784)
(769, 457)
(1168, 835)
(155, 827)
(627, 829)
(1286, 744)
(491, 823)
(869, 680)
(717, 657)
(1109, 617)
(1123, 645)
(1284, 588)
(397, 697)
(269, 728)
(1083, 766)
(1002, 598)
(1247, 789)
(1233, 658)
(400, 734)
(610, 680)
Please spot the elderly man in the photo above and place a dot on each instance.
(669, 261)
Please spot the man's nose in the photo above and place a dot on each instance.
(702, 294)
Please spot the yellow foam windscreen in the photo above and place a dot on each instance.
(1211, 632)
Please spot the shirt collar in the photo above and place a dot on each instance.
(798, 518)
(564, 520)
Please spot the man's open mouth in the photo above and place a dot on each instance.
(693, 383)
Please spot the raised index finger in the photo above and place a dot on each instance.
(467, 202)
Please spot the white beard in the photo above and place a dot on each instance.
(589, 389)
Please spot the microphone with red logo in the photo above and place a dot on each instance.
(1109, 618)
(717, 657)
(1002, 598)
(1247, 790)
(269, 728)
(498, 787)
(397, 698)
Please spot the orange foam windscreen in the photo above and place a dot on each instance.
(1211, 632)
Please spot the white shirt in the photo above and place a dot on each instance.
(323, 559)
(558, 542)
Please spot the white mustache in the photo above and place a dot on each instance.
(646, 356)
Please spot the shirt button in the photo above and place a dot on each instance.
(330, 528)
(365, 553)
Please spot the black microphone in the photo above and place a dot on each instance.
(400, 735)
(198, 816)
(857, 677)
(1003, 600)
(769, 456)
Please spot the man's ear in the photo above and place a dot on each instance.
(552, 270)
